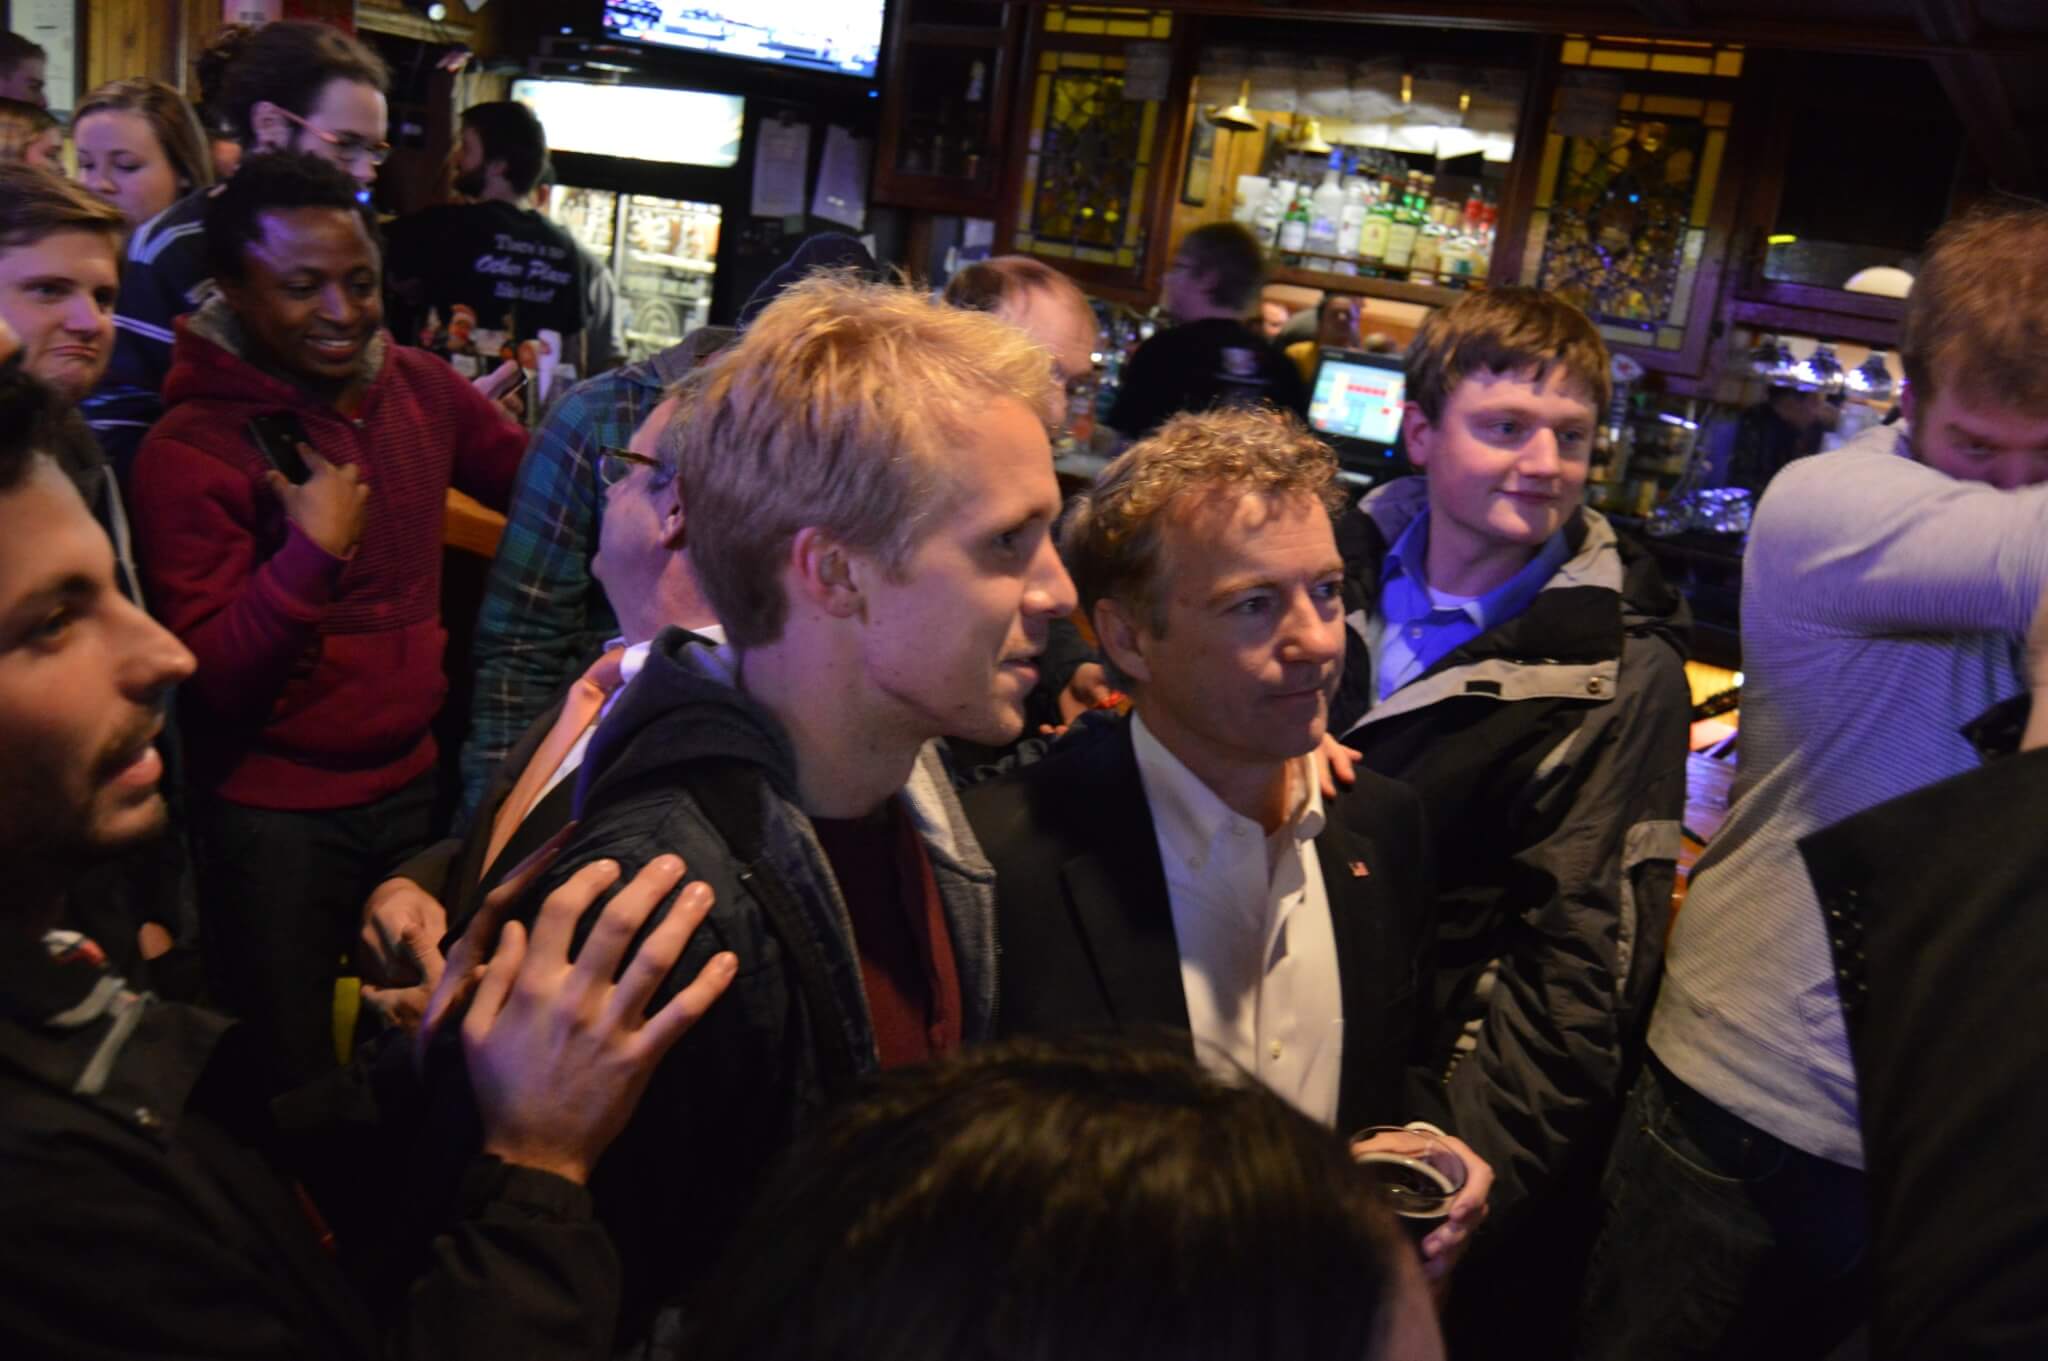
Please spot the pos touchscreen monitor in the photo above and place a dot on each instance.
(1356, 404)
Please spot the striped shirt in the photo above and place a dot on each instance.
(163, 277)
(1883, 607)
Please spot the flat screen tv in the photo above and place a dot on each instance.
(843, 36)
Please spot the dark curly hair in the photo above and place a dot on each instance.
(275, 179)
(290, 63)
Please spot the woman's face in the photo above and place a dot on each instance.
(120, 159)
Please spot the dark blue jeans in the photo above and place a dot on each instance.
(1720, 1240)
(280, 902)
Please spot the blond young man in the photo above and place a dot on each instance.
(871, 495)
(1182, 872)
(1887, 588)
(1521, 665)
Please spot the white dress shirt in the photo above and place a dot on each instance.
(629, 666)
(1258, 955)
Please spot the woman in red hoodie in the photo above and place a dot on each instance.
(308, 587)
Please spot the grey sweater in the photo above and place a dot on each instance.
(1883, 606)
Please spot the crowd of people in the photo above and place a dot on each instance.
(891, 908)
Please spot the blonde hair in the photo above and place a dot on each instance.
(1505, 330)
(1113, 540)
(1978, 312)
(838, 408)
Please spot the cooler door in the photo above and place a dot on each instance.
(666, 259)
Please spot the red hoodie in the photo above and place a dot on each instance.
(318, 676)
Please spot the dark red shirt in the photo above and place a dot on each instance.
(899, 930)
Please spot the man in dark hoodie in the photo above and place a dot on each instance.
(1522, 667)
(308, 587)
(545, 614)
(871, 496)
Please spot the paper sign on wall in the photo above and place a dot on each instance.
(842, 193)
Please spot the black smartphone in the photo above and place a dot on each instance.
(278, 436)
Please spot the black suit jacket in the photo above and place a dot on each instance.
(452, 870)
(1934, 905)
(1086, 926)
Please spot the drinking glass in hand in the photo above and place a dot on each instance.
(1417, 1172)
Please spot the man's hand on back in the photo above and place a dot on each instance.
(558, 1052)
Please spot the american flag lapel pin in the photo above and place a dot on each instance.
(1358, 869)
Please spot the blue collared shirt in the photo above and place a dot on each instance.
(1416, 632)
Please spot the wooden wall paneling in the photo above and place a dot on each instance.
(125, 38)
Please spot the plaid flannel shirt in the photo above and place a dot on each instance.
(544, 616)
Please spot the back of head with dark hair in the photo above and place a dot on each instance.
(273, 180)
(510, 132)
(1230, 253)
(989, 285)
(209, 73)
(1086, 1201)
(35, 204)
(28, 425)
(15, 49)
(289, 64)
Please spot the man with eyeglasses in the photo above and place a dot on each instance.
(642, 567)
(293, 86)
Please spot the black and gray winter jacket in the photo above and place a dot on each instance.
(1550, 756)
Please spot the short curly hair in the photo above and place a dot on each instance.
(1113, 538)
(267, 182)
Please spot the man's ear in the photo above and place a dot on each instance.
(1122, 639)
(826, 573)
(1417, 434)
(273, 130)
(672, 523)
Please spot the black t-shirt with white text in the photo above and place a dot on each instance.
(1203, 364)
(515, 270)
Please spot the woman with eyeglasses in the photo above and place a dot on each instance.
(140, 147)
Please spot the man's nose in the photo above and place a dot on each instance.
(1052, 590)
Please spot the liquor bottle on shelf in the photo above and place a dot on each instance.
(1326, 209)
(1350, 223)
(1373, 235)
(1272, 207)
(1294, 229)
(1429, 253)
(1406, 228)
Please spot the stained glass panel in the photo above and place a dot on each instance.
(1088, 163)
(1627, 219)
